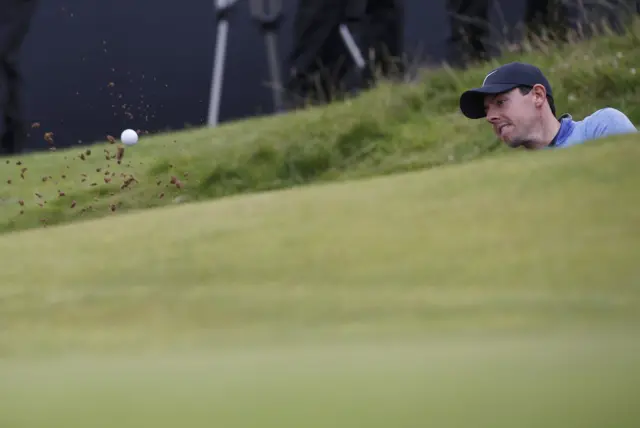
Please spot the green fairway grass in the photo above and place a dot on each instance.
(503, 292)
(587, 381)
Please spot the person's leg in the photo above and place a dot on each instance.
(314, 24)
(335, 66)
(469, 20)
(14, 26)
(15, 129)
(535, 15)
(385, 37)
(620, 14)
(549, 18)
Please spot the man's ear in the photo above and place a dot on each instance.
(540, 94)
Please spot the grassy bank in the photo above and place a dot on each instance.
(392, 129)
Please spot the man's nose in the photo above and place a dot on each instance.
(492, 117)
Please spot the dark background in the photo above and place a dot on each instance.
(159, 58)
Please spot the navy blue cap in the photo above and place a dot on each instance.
(502, 79)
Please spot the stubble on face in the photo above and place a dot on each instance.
(510, 119)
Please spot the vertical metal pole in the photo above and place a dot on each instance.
(274, 70)
(222, 8)
(218, 71)
(268, 14)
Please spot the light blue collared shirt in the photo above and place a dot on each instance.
(602, 123)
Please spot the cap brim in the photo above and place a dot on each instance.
(472, 101)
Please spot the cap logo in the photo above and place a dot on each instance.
(485, 79)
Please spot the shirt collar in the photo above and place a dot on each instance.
(566, 127)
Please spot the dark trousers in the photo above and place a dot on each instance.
(318, 60)
(470, 28)
(383, 37)
(320, 63)
(469, 31)
(550, 16)
(560, 17)
(15, 20)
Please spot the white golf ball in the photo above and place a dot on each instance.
(129, 137)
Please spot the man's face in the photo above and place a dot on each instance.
(513, 117)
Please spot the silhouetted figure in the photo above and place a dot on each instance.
(15, 21)
(548, 18)
(470, 27)
(383, 36)
(556, 19)
(319, 60)
(469, 31)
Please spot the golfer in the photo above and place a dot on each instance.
(516, 99)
